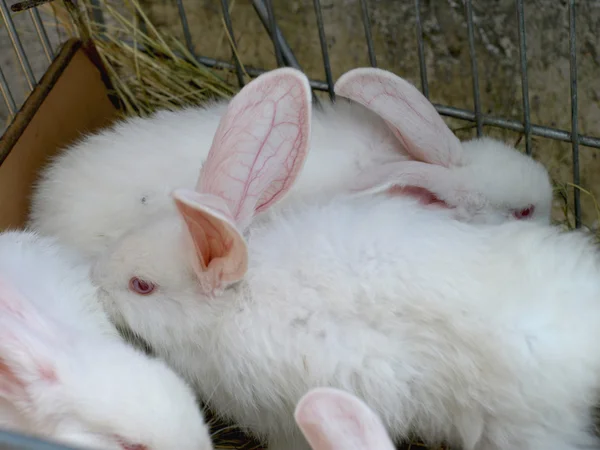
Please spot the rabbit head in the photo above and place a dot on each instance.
(86, 389)
(484, 179)
(153, 279)
(332, 419)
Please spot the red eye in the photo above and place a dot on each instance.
(127, 446)
(524, 213)
(140, 286)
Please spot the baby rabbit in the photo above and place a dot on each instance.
(332, 419)
(482, 336)
(120, 178)
(484, 179)
(65, 375)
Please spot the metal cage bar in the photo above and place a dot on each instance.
(514, 125)
(366, 19)
(286, 51)
(474, 71)
(9, 100)
(273, 30)
(187, 35)
(421, 49)
(238, 65)
(17, 45)
(323, 41)
(574, 118)
(524, 79)
(42, 34)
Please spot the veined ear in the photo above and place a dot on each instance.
(260, 145)
(26, 342)
(257, 152)
(331, 419)
(220, 254)
(412, 118)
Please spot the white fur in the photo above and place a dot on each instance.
(120, 178)
(116, 180)
(505, 179)
(484, 336)
(99, 387)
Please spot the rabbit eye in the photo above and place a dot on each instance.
(524, 213)
(141, 287)
(128, 446)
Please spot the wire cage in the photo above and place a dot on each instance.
(34, 48)
(18, 76)
(26, 54)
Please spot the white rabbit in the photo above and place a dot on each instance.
(484, 336)
(116, 180)
(65, 374)
(332, 419)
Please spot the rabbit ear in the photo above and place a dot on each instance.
(428, 182)
(260, 145)
(412, 118)
(257, 152)
(24, 345)
(331, 419)
(219, 249)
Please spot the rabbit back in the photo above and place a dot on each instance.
(109, 182)
(122, 177)
(426, 318)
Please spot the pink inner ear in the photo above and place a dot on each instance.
(423, 195)
(320, 422)
(429, 183)
(412, 118)
(210, 237)
(260, 145)
(332, 419)
(318, 438)
(219, 248)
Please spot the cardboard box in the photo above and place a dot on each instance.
(71, 99)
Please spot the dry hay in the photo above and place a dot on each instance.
(148, 70)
